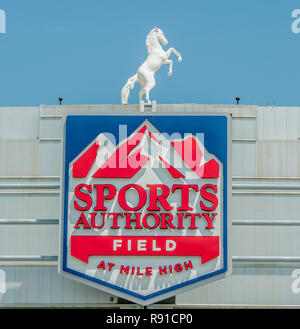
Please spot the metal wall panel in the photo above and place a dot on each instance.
(266, 240)
(278, 123)
(19, 205)
(38, 286)
(29, 239)
(30, 158)
(19, 123)
(250, 286)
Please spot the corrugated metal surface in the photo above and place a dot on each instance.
(38, 285)
(265, 215)
(265, 207)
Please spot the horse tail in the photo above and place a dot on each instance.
(126, 89)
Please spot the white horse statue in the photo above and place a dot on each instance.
(145, 73)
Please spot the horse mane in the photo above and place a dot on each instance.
(149, 37)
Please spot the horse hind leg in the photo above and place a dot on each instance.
(147, 92)
(141, 93)
(148, 87)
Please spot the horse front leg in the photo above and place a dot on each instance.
(149, 85)
(170, 62)
(174, 51)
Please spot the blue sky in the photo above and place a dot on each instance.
(85, 50)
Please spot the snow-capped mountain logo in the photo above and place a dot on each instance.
(149, 208)
(143, 148)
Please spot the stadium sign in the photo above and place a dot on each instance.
(146, 203)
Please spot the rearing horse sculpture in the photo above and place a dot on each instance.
(145, 73)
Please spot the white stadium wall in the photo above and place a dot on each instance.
(265, 208)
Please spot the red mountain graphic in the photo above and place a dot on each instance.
(132, 154)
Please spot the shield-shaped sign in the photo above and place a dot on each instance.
(146, 203)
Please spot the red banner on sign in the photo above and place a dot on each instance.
(83, 246)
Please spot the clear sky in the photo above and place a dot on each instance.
(85, 50)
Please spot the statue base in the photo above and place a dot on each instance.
(152, 106)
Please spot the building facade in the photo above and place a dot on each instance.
(265, 232)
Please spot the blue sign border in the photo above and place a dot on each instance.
(81, 130)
